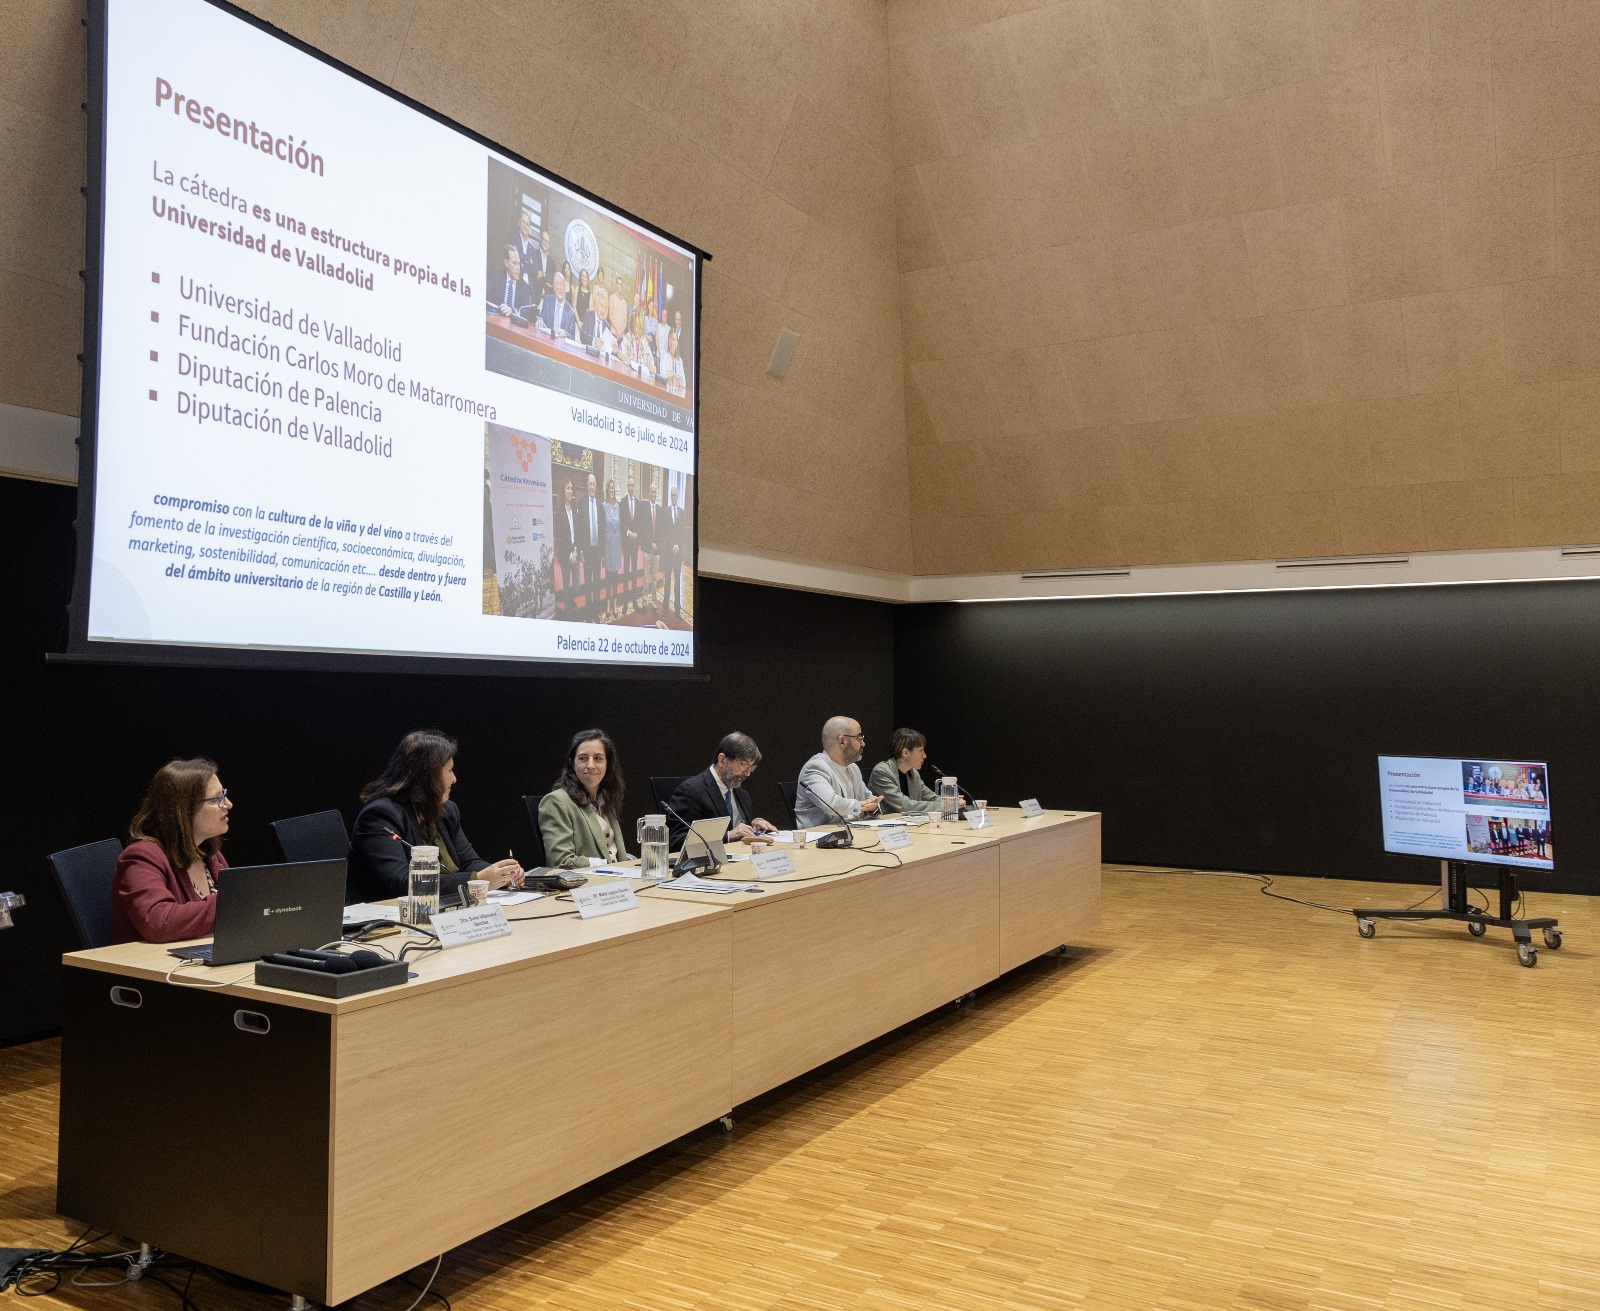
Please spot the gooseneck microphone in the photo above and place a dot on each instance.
(829, 840)
(395, 836)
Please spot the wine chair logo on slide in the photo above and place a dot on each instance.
(583, 248)
(524, 450)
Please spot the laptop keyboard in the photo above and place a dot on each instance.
(200, 953)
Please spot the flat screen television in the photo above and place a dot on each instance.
(1493, 812)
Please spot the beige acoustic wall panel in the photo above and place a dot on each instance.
(760, 132)
(1202, 280)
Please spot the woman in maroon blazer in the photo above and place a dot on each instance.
(165, 886)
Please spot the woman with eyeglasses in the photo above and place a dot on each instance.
(165, 885)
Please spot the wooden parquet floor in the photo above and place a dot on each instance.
(1220, 1101)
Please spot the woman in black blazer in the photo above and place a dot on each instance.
(409, 805)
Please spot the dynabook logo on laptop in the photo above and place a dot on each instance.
(280, 910)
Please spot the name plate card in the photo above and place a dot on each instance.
(979, 819)
(456, 928)
(894, 837)
(603, 899)
(1031, 808)
(768, 863)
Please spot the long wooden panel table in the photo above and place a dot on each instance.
(355, 1139)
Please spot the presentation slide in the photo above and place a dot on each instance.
(367, 385)
(1493, 811)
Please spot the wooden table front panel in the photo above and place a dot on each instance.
(1049, 889)
(816, 976)
(462, 1108)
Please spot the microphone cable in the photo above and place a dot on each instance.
(1264, 880)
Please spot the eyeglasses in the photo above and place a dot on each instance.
(220, 800)
(859, 737)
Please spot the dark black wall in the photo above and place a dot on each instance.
(1242, 731)
(82, 741)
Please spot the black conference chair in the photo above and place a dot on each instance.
(532, 803)
(322, 836)
(664, 785)
(84, 876)
(789, 791)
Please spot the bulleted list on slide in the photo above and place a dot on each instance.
(300, 414)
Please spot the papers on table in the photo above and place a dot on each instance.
(503, 897)
(689, 883)
(366, 910)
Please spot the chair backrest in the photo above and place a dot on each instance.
(664, 785)
(322, 836)
(532, 803)
(84, 876)
(789, 792)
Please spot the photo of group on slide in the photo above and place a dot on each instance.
(582, 535)
(566, 282)
(1519, 836)
(1500, 780)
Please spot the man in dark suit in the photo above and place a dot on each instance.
(566, 520)
(685, 346)
(555, 313)
(504, 289)
(720, 791)
(527, 248)
(591, 541)
(674, 540)
(632, 547)
(544, 266)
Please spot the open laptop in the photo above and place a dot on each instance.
(267, 908)
(702, 844)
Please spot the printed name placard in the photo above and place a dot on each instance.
(979, 819)
(894, 837)
(1031, 808)
(603, 899)
(768, 863)
(456, 928)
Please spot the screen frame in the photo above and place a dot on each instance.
(1469, 859)
(80, 649)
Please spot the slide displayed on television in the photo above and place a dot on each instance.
(367, 385)
(1493, 811)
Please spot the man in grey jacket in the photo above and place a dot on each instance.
(832, 779)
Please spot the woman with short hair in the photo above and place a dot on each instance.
(898, 780)
(165, 884)
(409, 805)
(581, 816)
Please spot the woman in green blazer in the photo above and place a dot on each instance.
(898, 780)
(580, 816)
